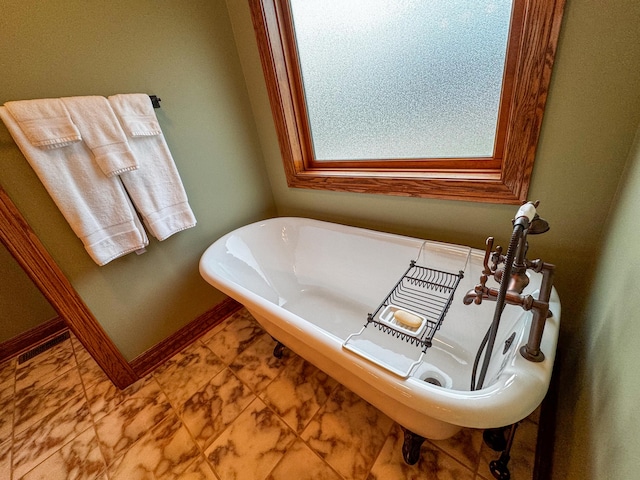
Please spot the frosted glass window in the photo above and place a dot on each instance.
(402, 79)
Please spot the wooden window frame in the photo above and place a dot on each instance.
(502, 178)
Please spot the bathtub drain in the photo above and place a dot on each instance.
(433, 381)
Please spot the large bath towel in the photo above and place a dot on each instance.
(46, 122)
(96, 206)
(155, 187)
(102, 133)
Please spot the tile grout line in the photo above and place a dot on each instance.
(93, 420)
(259, 396)
(253, 392)
(14, 414)
(306, 443)
(474, 471)
(141, 437)
(176, 411)
(299, 435)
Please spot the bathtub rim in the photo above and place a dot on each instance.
(456, 407)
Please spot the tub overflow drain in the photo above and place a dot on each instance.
(508, 342)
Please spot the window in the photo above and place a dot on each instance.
(335, 134)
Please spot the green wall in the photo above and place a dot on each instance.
(592, 113)
(604, 378)
(22, 306)
(184, 52)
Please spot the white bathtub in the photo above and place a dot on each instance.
(311, 284)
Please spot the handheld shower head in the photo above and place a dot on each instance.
(528, 217)
(538, 225)
(527, 210)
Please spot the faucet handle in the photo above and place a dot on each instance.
(487, 254)
(496, 259)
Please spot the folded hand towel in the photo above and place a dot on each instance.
(46, 123)
(135, 117)
(155, 188)
(96, 207)
(102, 133)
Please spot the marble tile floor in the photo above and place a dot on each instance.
(223, 408)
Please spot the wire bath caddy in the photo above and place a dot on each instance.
(425, 293)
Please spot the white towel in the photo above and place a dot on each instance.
(155, 187)
(46, 123)
(102, 133)
(96, 207)
(135, 115)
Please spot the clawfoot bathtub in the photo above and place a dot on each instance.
(312, 285)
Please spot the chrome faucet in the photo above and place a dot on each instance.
(513, 279)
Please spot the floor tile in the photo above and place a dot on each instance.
(104, 397)
(301, 463)
(202, 365)
(7, 373)
(199, 470)
(35, 403)
(256, 366)
(78, 459)
(7, 397)
(251, 446)
(7, 401)
(91, 373)
(240, 332)
(44, 367)
(209, 411)
(5, 458)
(348, 433)
(223, 408)
(298, 392)
(434, 464)
(233, 318)
(81, 353)
(164, 452)
(45, 437)
(464, 446)
(119, 429)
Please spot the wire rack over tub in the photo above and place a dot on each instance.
(422, 292)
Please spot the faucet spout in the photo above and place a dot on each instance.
(480, 293)
(472, 297)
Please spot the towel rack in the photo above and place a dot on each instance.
(155, 101)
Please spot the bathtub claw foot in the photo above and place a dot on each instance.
(496, 438)
(499, 468)
(411, 447)
(278, 350)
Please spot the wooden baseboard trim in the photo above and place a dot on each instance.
(161, 352)
(25, 246)
(25, 341)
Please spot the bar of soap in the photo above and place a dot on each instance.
(407, 319)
